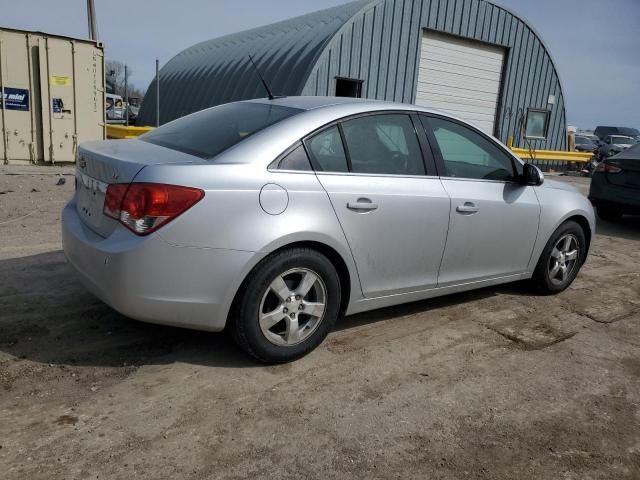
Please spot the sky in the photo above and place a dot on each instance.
(595, 43)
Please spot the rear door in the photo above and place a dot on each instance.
(494, 220)
(393, 209)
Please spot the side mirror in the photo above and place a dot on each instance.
(532, 175)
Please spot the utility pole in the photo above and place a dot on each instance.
(91, 19)
(157, 92)
(126, 94)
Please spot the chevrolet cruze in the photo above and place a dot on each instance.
(272, 218)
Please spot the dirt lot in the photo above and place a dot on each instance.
(495, 384)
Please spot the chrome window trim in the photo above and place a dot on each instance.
(483, 180)
(376, 175)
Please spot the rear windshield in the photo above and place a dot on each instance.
(210, 132)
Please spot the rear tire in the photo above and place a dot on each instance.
(561, 259)
(609, 214)
(287, 306)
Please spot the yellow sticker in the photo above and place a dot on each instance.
(60, 81)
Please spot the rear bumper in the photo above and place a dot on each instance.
(148, 279)
(606, 195)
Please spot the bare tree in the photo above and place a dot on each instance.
(114, 71)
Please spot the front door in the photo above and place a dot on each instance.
(394, 216)
(494, 220)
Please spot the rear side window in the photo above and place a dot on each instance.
(295, 160)
(383, 144)
(327, 151)
(210, 132)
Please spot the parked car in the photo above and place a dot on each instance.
(594, 138)
(604, 132)
(272, 218)
(133, 114)
(585, 144)
(615, 186)
(114, 108)
(614, 144)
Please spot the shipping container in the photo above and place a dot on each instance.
(53, 92)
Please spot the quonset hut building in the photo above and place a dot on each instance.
(470, 58)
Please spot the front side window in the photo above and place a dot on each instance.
(468, 154)
(383, 144)
(210, 132)
(327, 151)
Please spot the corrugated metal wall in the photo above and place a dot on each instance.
(219, 71)
(380, 45)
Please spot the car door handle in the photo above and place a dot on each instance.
(362, 205)
(468, 208)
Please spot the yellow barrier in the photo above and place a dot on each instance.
(121, 132)
(551, 155)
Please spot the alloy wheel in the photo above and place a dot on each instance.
(293, 307)
(564, 259)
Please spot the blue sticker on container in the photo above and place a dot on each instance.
(15, 99)
(58, 105)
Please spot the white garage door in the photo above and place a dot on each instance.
(460, 77)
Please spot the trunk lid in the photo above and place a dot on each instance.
(100, 164)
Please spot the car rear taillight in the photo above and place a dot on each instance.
(145, 207)
(604, 167)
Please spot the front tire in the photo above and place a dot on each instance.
(287, 306)
(561, 259)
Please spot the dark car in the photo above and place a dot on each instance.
(604, 132)
(615, 144)
(585, 144)
(615, 187)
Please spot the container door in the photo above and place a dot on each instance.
(17, 102)
(89, 88)
(62, 100)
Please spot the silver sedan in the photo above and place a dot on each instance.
(272, 218)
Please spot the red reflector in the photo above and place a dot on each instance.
(145, 207)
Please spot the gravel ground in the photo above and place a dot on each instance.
(494, 384)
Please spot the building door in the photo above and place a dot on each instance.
(461, 77)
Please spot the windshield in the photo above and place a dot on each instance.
(622, 140)
(583, 140)
(210, 132)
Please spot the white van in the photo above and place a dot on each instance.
(114, 108)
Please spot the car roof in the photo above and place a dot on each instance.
(314, 103)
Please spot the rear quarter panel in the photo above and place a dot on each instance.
(230, 217)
